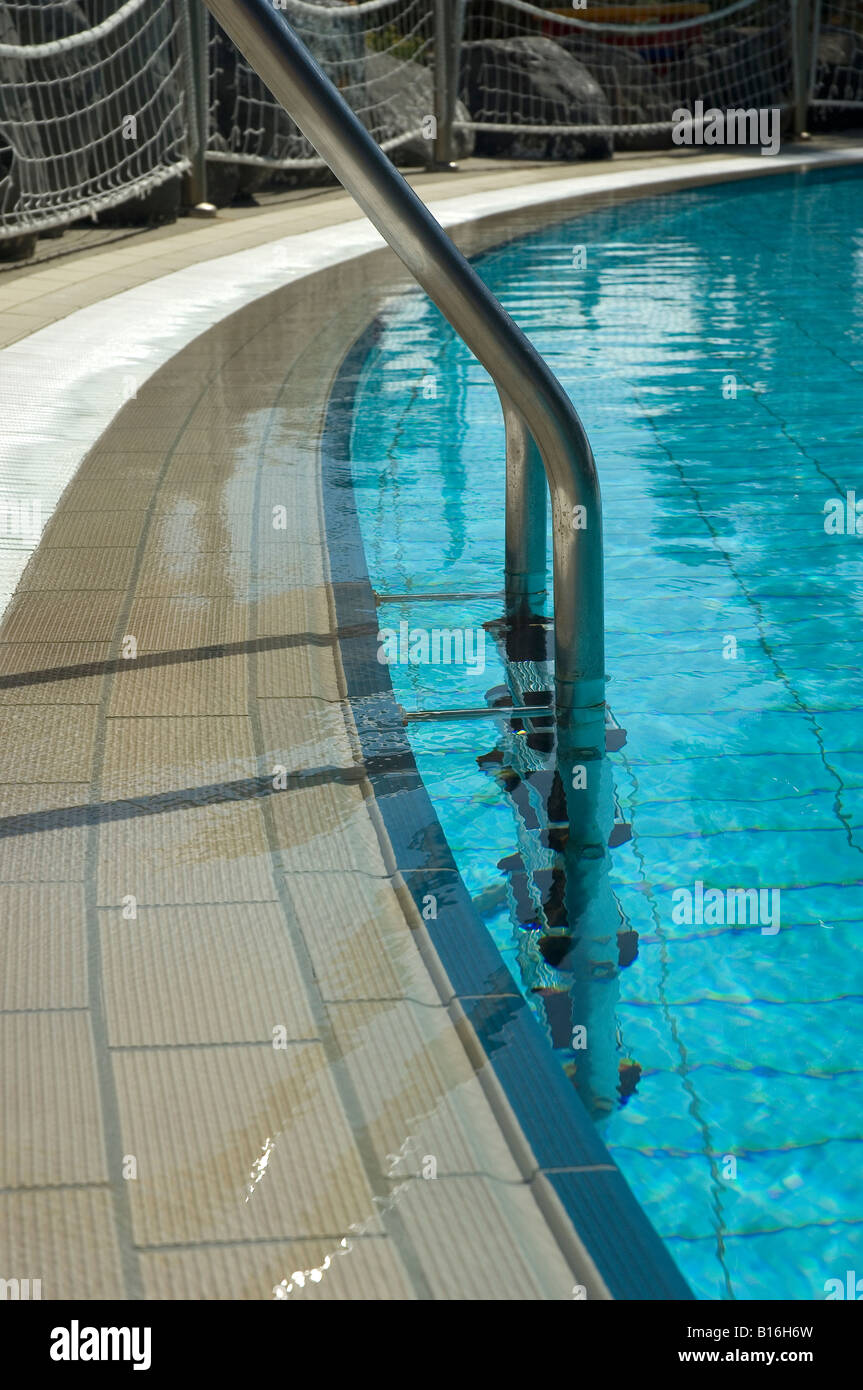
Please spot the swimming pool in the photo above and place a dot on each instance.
(713, 344)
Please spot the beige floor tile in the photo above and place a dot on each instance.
(142, 412)
(325, 827)
(215, 685)
(97, 528)
(201, 534)
(301, 667)
(216, 438)
(195, 473)
(45, 743)
(105, 462)
(107, 494)
(108, 568)
(367, 1268)
(45, 848)
(505, 1250)
(175, 624)
(32, 662)
(66, 1239)
(222, 490)
(51, 1129)
(129, 439)
(212, 1127)
(298, 495)
(285, 565)
(217, 574)
(358, 939)
(63, 616)
(181, 975)
(43, 946)
(418, 1090)
(210, 854)
(145, 756)
(304, 733)
(293, 610)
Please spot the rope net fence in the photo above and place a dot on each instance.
(104, 101)
(837, 60)
(379, 55)
(577, 83)
(92, 107)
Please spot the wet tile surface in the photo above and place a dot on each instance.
(225, 1056)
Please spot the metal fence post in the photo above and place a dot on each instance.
(445, 81)
(194, 22)
(802, 57)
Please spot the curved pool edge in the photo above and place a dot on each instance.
(600, 1227)
(98, 349)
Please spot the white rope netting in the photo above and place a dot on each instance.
(574, 83)
(379, 54)
(91, 107)
(837, 54)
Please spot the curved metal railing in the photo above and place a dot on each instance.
(536, 407)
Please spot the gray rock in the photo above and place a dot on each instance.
(533, 81)
(839, 76)
(750, 67)
(636, 93)
(402, 96)
(18, 248)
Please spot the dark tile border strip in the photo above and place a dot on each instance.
(628, 1254)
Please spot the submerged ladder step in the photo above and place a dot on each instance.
(437, 598)
(507, 711)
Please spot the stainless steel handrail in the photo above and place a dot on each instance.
(537, 406)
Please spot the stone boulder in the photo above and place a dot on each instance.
(533, 81)
(401, 96)
(636, 93)
(748, 67)
(839, 77)
(242, 100)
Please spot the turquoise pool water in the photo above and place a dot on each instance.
(713, 344)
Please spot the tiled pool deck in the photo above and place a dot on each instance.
(232, 1048)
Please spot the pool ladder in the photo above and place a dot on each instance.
(545, 439)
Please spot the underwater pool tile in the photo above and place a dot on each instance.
(699, 816)
(682, 1190)
(720, 963)
(775, 1267)
(751, 858)
(752, 1110)
(791, 1187)
(790, 1055)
